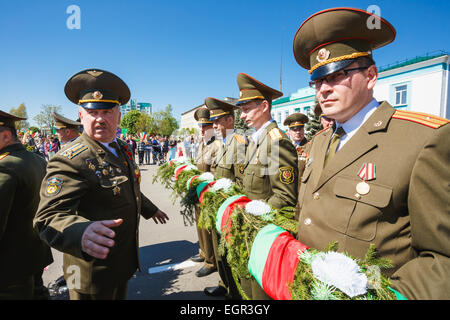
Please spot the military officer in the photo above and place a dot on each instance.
(66, 129)
(231, 156)
(382, 175)
(206, 152)
(270, 167)
(324, 120)
(296, 124)
(23, 255)
(227, 164)
(90, 197)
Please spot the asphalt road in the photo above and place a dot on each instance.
(165, 249)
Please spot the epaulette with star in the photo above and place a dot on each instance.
(275, 134)
(74, 151)
(4, 155)
(421, 118)
(239, 138)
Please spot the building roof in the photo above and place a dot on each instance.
(409, 61)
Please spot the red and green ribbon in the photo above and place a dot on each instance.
(223, 221)
(274, 259)
(179, 169)
(189, 182)
(202, 188)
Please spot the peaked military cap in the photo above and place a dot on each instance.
(218, 108)
(62, 122)
(252, 89)
(8, 120)
(296, 120)
(202, 115)
(97, 89)
(332, 39)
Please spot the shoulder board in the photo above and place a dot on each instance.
(421, 118)
(74, 150)
(275, 134)
(239, 138)
(4, 155)
(321, 131)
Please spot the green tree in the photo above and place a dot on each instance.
(239, 124)
(129, 121)
(165, 124)
(313, 126)
(45, 118)
(20, 111)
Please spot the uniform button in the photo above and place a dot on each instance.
(316, 196)
(357, 196)
(307, 221)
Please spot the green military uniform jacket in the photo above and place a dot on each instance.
(206, 154)
(230, 158)
(405, 213)
(85, 182)
(270, 169)
(22, 252)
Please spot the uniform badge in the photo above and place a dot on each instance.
(53, 186)
(97, 95)
(286, 175)
(323, 55)
(241, 169)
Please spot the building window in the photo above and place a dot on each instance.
(296, 110)
(286, 114)
(307, 110)
(401, 93)
(279, 117)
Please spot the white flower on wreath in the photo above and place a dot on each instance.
(222, 184)
(206, 176)
(190, 167)
(181, 160)
(257, 208)
(340, 271)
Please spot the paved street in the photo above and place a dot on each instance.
(164, 249)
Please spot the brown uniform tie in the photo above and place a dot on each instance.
(340, 132)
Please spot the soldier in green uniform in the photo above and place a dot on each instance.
(90, 197)
(296, 124)
(324, 120)
(381, 177)
(227, 164)
(23, 255)
(66, 129)
(206, 152)
(270, 168)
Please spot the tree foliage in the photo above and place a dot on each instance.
(45, 118)
(161, 122)
(20, 111)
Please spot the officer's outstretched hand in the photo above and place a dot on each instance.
(97, 238)
(160, 216)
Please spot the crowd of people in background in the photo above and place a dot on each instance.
(147, 149)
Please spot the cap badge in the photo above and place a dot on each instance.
(323, 55)
(97, 95)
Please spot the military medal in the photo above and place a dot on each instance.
(137, 173)
(116, 190)
(366, 173)
(105, 172)
(363, 188)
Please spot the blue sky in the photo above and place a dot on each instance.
(180, 52)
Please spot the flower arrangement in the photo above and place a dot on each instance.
(259, 242)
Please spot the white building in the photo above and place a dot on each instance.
(420, 84)
(187, 118)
